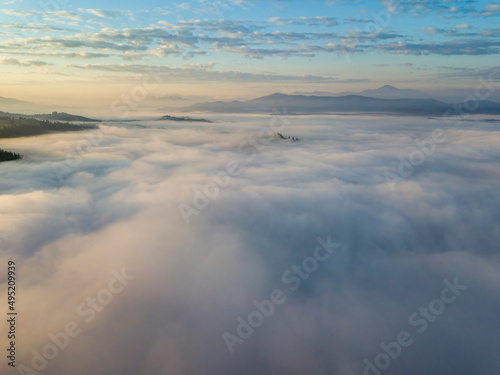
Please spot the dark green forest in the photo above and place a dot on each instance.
(54, 116)
(7, 155)
(26, 127)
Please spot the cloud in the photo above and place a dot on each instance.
(280, 36)
(64, 14)
(132, 56)
(63, 55)
(13, 61)
(53, 43)
(357, 20)
(493, 73)
(458, 32)
(60, 16)
(166, 50)
(490, 10)
(419, 8)
(34, 28)
(309, 21)
(103, 13)
(352, 80)
(433, 30)
(117, 208)
(455, 47)
(202, 66)
(190, 72)
(368, 36)
(285, 37)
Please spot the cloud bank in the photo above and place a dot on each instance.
(118, 208)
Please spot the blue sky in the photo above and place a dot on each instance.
(52, 49)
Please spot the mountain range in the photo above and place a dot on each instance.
(384, 92)
(321, 104)
(384, 100)
(16, 105)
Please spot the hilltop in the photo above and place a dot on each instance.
(25, 127)
(182, 119)
(303, 104)
(54, 116)
(384, 92)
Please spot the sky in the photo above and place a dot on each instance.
(92, 52)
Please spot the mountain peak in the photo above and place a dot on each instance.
(391, 92)
(387, 87)
(276, 95)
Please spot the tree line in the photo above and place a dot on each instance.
(25, 127)
(7, 155)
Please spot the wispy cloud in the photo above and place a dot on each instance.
(103, 13)
(121, 195)
(490, 10)
(309, 21)
(456, 47)
(13, 61)
(200, 71)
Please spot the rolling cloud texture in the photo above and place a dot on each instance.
(119, 208)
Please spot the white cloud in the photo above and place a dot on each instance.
(13, 61)
(103, 13)
(119, 208)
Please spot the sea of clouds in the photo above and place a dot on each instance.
(132, 216)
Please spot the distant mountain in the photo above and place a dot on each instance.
(324, 93)
(391, 92)
(302, 104)
(25, 127)
(8, 101)
(233, 107)
(182, 119)
(384, 92)
(62, 116)
(15, 105)
(54, 116)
